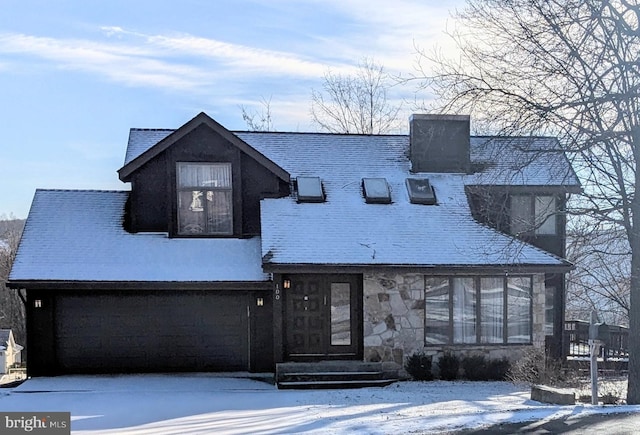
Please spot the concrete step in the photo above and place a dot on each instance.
(335, 384)
(332, 374)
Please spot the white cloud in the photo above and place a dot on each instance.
(130, 65)
(181, 62)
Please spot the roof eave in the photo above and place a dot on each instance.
(431, 269)
(35, 284)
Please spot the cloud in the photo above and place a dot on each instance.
(389, 31)
(180, 62)
(130, 65)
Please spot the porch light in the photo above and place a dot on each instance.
(286, 283)
(37, 303)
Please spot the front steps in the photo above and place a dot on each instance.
(332, 374)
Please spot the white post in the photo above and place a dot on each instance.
(594, 347)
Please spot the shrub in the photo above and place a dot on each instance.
(479, 368)
(449, 365)
(418, 366)
(498, 369)
(534, 368)
(475, 367)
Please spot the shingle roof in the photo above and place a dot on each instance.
(346, 230)
(78, 236)
(531, 161)
(141, 139)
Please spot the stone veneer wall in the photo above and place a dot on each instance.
(394, 316)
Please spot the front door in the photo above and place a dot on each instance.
(324, 317)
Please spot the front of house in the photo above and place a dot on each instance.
(237, 251)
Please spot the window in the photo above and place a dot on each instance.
(420, 191)
(533, 214)
(310, 189)
(485, 310)
(549, 312)
(376, 191)
(205, 200)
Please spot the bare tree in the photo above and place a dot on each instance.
(12, 307)
(601, 278)
(355, 103)
(258, 120)
(568, 68)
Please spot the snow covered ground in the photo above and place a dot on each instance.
(206, 404)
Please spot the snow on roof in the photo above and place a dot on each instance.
(530, 161)
(78, 236)
(347, 231)
(141, 139)
(517, 161)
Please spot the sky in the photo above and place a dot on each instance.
(208, 404)
(76, 75)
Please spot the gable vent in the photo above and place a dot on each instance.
(420, 191)
(376, 191)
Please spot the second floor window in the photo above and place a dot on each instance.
(205, 200)
(533, 214)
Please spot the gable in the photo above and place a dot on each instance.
(167, 138)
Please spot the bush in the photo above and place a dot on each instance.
(479, 368)
(498, 369)
(534, 368)
(449, 365)
(475, 367)
(418, 366)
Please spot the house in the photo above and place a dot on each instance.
(9, 351)
(243, 250)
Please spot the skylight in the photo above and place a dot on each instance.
(420, 191)
(309, 189)
(376, 191)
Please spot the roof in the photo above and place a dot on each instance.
(521, 161)
(345, 230)
(499, 160)
(77, 235)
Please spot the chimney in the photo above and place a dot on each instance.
(439, 143)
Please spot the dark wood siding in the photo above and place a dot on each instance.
(153, 196)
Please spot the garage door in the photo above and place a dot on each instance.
(152, 331)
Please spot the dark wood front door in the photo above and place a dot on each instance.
(324, 316)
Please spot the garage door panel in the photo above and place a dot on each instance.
(152, 332)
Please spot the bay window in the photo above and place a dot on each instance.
(205, 200)
(478, 310)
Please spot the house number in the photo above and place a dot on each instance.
(277, 292)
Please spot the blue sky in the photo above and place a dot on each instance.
(75, 75)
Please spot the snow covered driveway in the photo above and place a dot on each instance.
(207, 404)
